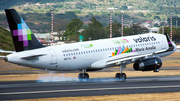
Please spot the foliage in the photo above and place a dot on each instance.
(175, 32)
(59, 26)
(135, 29)
(73, 27)
(94, 31)
(5, 40)
(115, 29)
(124, 7)
(141, 14)
(174, 20)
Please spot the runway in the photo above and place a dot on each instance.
(93, 87)
(15, 72)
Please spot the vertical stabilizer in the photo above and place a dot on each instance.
(22, 36)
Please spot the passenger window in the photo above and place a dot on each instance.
(64, 54)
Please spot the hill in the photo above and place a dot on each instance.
(5, 40)
(37, 14)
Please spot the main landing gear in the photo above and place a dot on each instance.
(121, 75)
(84, 75)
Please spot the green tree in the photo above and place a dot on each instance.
(94, 31)
(60, 26)
(157, 17)
(124, 7)
(115, 29)
(135, 29)
(148, 15)
(141, 14)
(166, 30)
(175, 33)
(73, 27)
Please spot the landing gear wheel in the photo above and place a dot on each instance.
(156, 70)
(120, 75)
(83, 76)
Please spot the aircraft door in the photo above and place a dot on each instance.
(53, 57)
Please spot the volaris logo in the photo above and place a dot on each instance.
(23, 32)
(156, 62)
(145, 39)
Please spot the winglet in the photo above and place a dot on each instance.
(170, 44)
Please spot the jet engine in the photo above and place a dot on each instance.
(148, 64)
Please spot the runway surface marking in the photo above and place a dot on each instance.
(94, 89)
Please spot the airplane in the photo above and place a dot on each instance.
(144, 50)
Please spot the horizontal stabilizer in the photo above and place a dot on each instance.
(178, 46)
(32, 56)
(3, 51)
(2, 56)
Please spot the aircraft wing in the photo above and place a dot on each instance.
(32, 56)
(120, 59)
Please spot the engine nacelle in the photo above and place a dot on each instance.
(148, 64)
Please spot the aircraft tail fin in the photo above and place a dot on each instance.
(22, 36)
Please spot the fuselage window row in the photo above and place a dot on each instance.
(109, 49)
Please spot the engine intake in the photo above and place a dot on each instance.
(148, 64)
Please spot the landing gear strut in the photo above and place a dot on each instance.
(83, 76)
(121, 75)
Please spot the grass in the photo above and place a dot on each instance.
(126, 97)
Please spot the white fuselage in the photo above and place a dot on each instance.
(81, 55)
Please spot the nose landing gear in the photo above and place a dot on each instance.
(83, 76)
